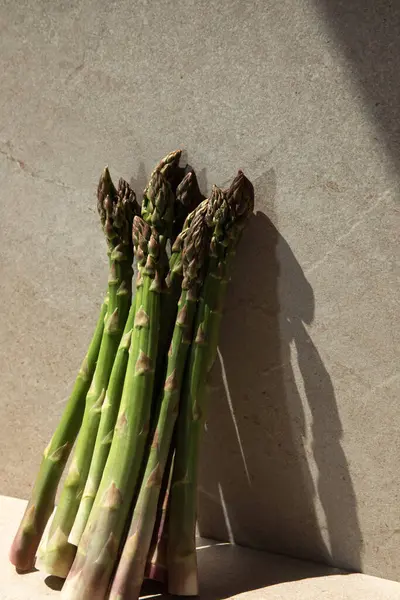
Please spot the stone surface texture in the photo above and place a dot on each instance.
(301, 449)
(225, 572)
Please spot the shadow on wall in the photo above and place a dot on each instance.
(139, 182)
(368, 32)
(273, 472)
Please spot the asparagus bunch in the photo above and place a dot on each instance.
(116, 209)
(164, 176)
(227, 213)
(97, 551)
(128, 506)
(131, 567)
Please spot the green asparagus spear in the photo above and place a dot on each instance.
(240, 200)
(55, 456)
(228, 211)
(116, 211)
(131, 567)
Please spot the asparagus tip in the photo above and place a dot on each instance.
(240, 195)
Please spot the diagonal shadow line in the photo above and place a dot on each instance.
(368, 32)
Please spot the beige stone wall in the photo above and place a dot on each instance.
(301, 452)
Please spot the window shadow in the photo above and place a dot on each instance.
(368, 32)
(273, 472)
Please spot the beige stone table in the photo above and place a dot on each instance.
(226, 572)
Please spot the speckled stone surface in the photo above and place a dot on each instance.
(301, 451)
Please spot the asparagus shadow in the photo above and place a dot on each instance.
(273, 415)
(54, 583)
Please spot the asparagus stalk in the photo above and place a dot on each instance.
(116, 211)
(41, 503)
(131, 568)
(240, 200)
(97, 551)
(227, 214)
